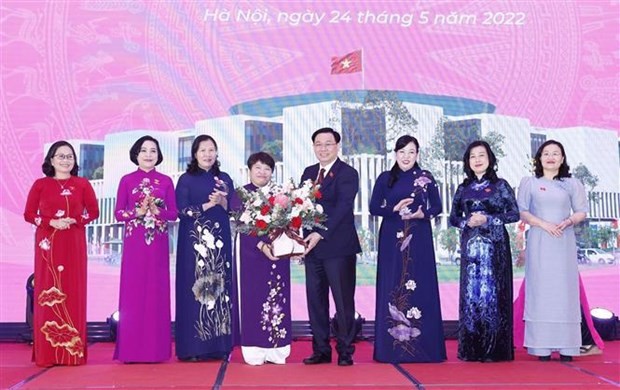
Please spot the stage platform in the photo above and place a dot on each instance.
(101, 372)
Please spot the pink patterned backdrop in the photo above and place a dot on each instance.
(82, 69)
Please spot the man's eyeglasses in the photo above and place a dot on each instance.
(61, 157)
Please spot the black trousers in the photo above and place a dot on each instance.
(337, 274)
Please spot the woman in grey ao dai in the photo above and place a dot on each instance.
(552, 202)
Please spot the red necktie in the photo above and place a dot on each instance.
(321, 176)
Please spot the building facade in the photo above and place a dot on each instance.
(283, 126)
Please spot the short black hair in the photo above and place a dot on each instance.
(263, 157)
(48, 168)
(491, 172)
(564, 168)
(327, 130)
(135, 149)
(192, 167)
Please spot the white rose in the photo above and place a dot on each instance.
(208, 238)
(414, 312)
(201, 249)
(245, 217)
(410, 285)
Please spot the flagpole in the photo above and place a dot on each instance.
(363, 70)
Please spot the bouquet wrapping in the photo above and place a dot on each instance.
(288, 243)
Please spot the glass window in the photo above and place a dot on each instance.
(365, 131)
(459, 134)
(535, 141)
(185, 152)
(263, 137)
(91, 161)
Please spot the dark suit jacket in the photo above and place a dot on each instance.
(338, 189)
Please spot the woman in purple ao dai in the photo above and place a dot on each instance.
(145, 202)
(264, 284)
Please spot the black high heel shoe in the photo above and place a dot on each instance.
(566, 358)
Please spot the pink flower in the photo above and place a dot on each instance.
(45, 244)
(281, 200)
(422, 181)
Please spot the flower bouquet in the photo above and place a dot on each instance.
(281, 212)
(149, 204)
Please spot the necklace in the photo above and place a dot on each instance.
(64, 191)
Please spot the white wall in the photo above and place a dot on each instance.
(516, 131)
(597, 149)
(229, 133)
(428, 117)
(299, 122)
(116, 156)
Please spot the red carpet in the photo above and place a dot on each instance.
(15, 365)
(525, 372)
(101, 372)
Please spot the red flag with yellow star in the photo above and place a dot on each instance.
(349, 63)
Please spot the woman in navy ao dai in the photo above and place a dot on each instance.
(408, 324)
(204, 273)
(482, 205)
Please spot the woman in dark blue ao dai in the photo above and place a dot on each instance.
(482, 206)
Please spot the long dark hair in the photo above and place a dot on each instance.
(135, 149)
(564, 168)
(491, 172)
(48, 168)
(401, 143)
(192, 167)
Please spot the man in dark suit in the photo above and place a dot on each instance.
(330, 255)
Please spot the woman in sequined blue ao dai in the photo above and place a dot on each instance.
(482, 205)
